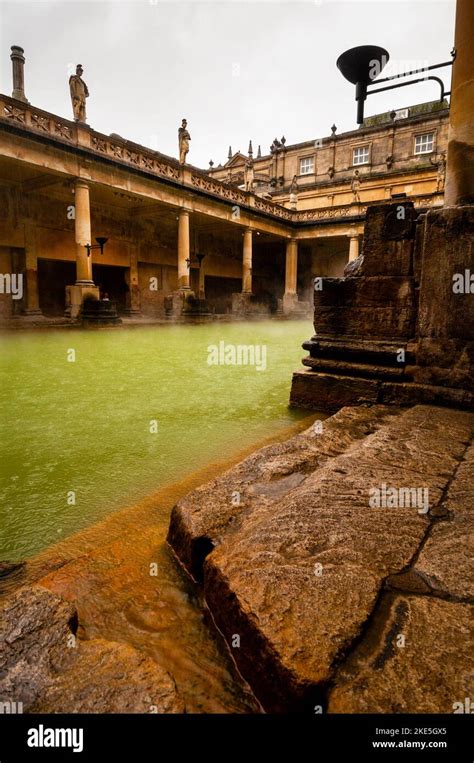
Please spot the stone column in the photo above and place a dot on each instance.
(133, 302)
(18, 63)
(291, 268)
(183, 250)
(84, 286)
(201, 292)
(290, 297)
(247, 262)
(460, 161)
(353, 246)
(31, 266)
(83, 233)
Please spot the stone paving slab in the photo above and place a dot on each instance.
(44, 666)
(416, 657)
(201, 519)
(294, 582)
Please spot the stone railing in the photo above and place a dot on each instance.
(25, 115)
(329, 213)
(133, 155)
(218, 188)
(116, 148)
(273, 209)
(355, 209)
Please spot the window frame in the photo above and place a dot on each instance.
(310, 158)
(359, 147)
(418, 135)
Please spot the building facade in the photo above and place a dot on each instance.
(175, 231)
(395, 154)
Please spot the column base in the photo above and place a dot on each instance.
(293, 307)
(183, 305)
(75, 296)
(246, 304)
(32, 311)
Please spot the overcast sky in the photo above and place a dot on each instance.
(235, 70)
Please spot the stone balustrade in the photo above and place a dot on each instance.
(118, 149)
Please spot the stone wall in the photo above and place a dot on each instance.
(394, 329)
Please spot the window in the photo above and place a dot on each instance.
(424, 143)
(307, 165)
(360, 155)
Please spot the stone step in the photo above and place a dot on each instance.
(360, 350)
(293, 578)
(368, 370)
(198, 524)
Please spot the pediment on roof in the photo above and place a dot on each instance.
(237, 160)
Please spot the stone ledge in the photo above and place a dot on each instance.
(198, 524)
(315, 390)
(299, 576)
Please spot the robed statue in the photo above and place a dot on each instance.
(79, 93)
(183, 138)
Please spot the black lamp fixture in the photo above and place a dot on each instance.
(363, 64)
(199, 259)
(101, 242)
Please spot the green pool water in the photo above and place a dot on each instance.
(137, 409)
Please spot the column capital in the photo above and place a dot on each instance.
(81, 183)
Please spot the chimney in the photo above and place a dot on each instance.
(18, 63)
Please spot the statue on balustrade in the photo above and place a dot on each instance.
(249, 174)
(79, 93)
(183, 139)
(440, 163)
(355, 186)
(294, 193)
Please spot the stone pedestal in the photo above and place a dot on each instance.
(393, 330)
(290, 303)
(248, 305)
(75, 296)
(185, 305)
(99, 312)
(293, 308)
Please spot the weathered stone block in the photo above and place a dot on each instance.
(429, 674)
(329, 392)
(387, 247)
(376, 307)
(447, 253)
